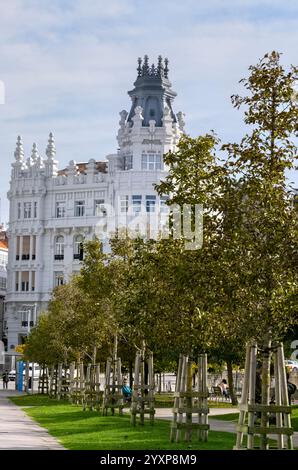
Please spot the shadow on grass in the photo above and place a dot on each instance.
(79, 430)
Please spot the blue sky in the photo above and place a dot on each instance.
(67, 66)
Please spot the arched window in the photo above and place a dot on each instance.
(59, 247)
(78, 247)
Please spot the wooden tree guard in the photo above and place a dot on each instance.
(113, 396)
(63, 382)
(53, 373)
(188, 402)
(43, 380)
(77, 383)
(249, 409)
(143, 394)
(93, 395)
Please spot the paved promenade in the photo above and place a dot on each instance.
(18, 431)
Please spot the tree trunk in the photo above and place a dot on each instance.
(130, 365)
(231, 383)
(265, 391)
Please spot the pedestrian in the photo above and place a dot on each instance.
(5, 379)
(127, 391)
(291, 388)
(224, 388)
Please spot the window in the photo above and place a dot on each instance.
(99, 208)
(33, 281)
(19, 210)
(25, 281)
(151, 161)
(78, 247)
(26, 248)
(25, 315)
(60, 209)
(79, 208)
(33, 247)
(128, 162)
(2, 283)
(35, 210)
(136, 204)
(164, 209)
(152, 112)
(59, 248)
(17, 281)
(123, 204)
(58, 279)
(3, 260)
(27, 210)
(150, 203)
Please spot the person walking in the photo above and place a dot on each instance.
(5, 379)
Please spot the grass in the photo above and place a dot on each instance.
(79, 430)
(234, 417)
(166, 400)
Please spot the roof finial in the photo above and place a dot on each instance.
(152, 70)
(166, 70)
(51, 149)
(139, 69)
(19, 152)
(34, 153)
(160, 66)
(146, 65)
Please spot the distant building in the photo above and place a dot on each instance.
(3, 279)
(52, 211)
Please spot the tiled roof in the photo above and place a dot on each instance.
(3, 245)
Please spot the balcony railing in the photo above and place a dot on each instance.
(26, 257)
(59, 257)
(33, 257)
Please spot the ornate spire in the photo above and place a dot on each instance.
(34, 153)
(51, 149)
(19, 152)
(139, 69)
(145, 67)
(159, 71)
(166, 69)
(160, 66)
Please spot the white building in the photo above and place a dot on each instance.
(52, 210)
(3, 277)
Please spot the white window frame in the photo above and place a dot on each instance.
(99, 207)
(77, 240)
(79, 209)
(137, 204)
(27, 210)
(60, 209)
(150, 203)
(128, 162)
(151, 161)
(58, 278)
(59, 245)
(124, 200)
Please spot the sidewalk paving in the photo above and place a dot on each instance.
(18, 431)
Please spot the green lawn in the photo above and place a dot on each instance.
(234, 417)
(166, 400)
(79, 430)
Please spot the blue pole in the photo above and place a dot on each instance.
(20, 366)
